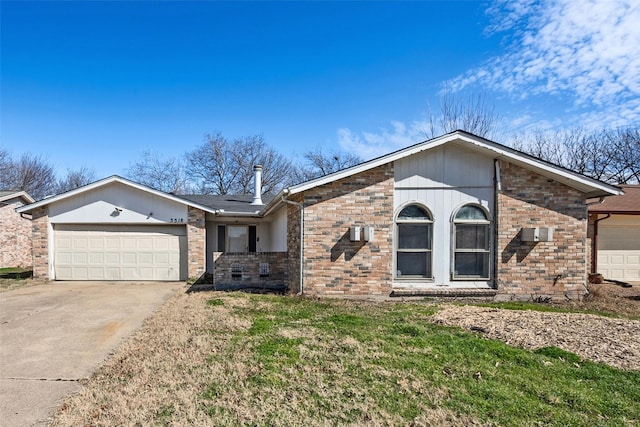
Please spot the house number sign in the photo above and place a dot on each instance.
(176, 220)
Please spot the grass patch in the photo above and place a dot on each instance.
(383, 361)
(240, 359)
(15, 273)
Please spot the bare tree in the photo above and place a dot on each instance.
(625, 149)
(318, 163)
(30, 173)
(608, 155)
(6, 170)
(220, 166)
(75, 179)
(470, 113)
(162, 173)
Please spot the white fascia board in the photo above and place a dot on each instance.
(22, 194)
(566, 176)
(570, 178)
(379, 161)
(106, 181)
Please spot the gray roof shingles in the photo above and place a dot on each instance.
(228, 203)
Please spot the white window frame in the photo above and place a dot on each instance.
(397, 223)
(488, 247)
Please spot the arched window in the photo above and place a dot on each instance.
(471, 251)
(414, 228)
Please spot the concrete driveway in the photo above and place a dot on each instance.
(53, 336)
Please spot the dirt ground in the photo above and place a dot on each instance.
(614, 341)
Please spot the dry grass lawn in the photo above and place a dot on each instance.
(235, 359)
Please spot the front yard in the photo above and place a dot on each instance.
(213, 358)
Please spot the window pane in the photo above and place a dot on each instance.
(414, 264)
(237, 238)
(414, 236)
(472, 264)
(469, 236)
(415, 213)
(471, 213)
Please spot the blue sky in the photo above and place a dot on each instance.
(97, 83)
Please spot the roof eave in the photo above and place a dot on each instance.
(23, 194)
(591, 187)
(106, 181)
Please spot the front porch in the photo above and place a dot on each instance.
(242, 270)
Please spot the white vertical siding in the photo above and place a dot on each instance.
(444, 179)
(278, 231)
(98, 207)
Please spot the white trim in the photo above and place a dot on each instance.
(110, 180)
(572, 179)
(22, 194)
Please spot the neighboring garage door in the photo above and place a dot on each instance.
(88, 252)
(619, 252)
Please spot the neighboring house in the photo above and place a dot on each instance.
(455, 215)
(15, 230)
(615, 235)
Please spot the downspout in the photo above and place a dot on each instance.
(301, 206)
(496, 215)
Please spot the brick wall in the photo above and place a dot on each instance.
(333, 265)
(40, 229)
(15, 235)
(554, 269)
(196, 243)
(244, 268)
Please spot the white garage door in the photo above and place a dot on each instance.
(87, 252)
(619, 253)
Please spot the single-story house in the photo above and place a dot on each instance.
(15, 230)
(614, 228)
(454, 215)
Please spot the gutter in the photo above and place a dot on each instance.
(301, 206)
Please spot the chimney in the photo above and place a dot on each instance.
(257, 185)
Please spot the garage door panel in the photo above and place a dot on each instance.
(79, 243)
(97, 273)
(112, 258)
(129, 243)
(112, 243)
(145, 258)
(79, 258)
(619, 251)
(146, 244)
(117, 254)
(619, 265)
(96, 258)
(96, 244)
(112, 273)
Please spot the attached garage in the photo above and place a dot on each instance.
(116, 229)
(619, 252)
(93, 252)
(616, 235)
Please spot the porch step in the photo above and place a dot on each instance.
(445, 293)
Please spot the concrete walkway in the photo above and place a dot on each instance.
(55, 335)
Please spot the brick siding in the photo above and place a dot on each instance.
(554, 269)
(40, 229)
(333, 265)
(196, 243)
(249, 273)
(15, 235)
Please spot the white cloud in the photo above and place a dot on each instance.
(588, 50)
(369, 145)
